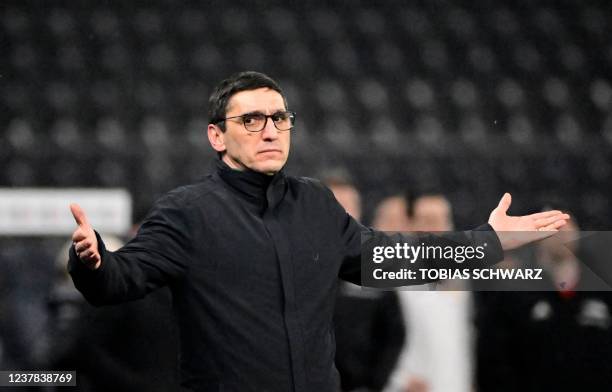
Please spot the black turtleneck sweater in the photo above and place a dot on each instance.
(253, 262)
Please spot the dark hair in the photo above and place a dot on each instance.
(242, 81)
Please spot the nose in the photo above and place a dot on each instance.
(269, 132)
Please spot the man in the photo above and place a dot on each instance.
(431, 212)
(435, 358)
(251, 255)
(368, 323)
(558, 335)
(391, 214)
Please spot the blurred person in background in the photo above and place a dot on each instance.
(368, 323)
(128, 347)
(437, 353)
(555, 339)
(391, 214)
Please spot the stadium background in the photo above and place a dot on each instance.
(470, 98)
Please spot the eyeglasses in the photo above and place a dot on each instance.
(256, 122)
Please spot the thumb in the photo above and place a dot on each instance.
(79, 215)
(504, 203)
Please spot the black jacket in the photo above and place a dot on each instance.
(252, 262)
(370, 332)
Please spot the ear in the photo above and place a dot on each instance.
(216, 138)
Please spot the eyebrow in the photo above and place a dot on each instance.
(260, 112)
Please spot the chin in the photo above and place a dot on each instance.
(268, 167)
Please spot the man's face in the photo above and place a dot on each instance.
(432, 213)
(266, 151)
(391, 215)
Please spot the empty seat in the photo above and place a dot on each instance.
(236, 21)
(569, 132)
(521, 131)
(510, 94)
(369, 22)
(481, 58)
(464, 94)
(504, 21)
(434, 55)
(419, 94)
(430, 132)
(20, 173)
(65, 135)
(193, 95)
(548, 21)
(112, 173)
(107, 95)
(16, 96)
(556, 93)
(70, 59)
(344, 58)
(527, 57)
(116, 59)
(148, 23)
(282, 23)
(415, 22)
(25, 58)
(390, 59)
(473, 131)
(105, 24)
(572, 57)
(601, 94)
(207, 58)
(297, 59)
(385, 136)
(372, 95)
(461, 23)
(151, 95)
(20, 136)
(250, 56)
(331, 96)
(193, 23)
(326, 23)
(111, 136)
(61, 23)
(161, 59)
(154, 133)
(340, 134)
(61, 96)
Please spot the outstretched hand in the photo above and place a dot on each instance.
(84, 239)
(516, 231)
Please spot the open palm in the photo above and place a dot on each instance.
(515, 231)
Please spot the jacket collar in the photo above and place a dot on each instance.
(258, 188)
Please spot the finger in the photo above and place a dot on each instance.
(545, 214)
(78, 235)
(79, 215)
(558, 224)
(87, 254)
(550, 220)
(554, 227)
(83, 245)
(504, 203)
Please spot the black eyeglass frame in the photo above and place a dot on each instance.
(292, 117)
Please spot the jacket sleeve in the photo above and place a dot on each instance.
(158, 255)
(355, 238)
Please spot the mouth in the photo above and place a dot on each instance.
(270, 151)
